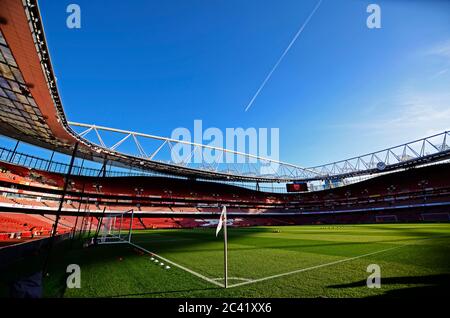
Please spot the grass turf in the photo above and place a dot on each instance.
(414, 261)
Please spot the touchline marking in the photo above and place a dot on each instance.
(327, 264)
(179, 266)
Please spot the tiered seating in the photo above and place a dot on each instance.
(156, 194)
(6, 200)
(21, 226)
(10, 225)
(160, 223)
(187, 222)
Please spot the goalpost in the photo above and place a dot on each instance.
(115, 228)
(386, 218)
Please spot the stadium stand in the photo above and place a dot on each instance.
(413, 195)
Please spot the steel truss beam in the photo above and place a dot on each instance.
(432, 148)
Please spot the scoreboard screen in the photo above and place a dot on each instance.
(297, 187)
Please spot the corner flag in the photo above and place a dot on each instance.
(223, 223)
(221, 220)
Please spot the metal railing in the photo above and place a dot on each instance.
(33, 162)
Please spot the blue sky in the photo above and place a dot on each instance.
(342, 89)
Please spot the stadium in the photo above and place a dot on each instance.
(137, 224)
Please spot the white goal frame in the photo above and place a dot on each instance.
(112, 230)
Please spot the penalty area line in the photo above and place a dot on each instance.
(327, 264)
(179, 266)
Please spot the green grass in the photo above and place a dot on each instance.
(415, 263)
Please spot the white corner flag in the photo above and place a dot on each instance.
(223, 223)
(221, 220)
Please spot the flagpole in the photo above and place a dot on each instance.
(225, 247)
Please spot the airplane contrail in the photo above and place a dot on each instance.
(283, 55)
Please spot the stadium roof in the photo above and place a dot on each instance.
(31, 111)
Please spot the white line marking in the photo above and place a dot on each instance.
(327, 264)
(179, 266)
(234, 278)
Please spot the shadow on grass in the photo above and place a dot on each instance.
(63, 254)
(435, 286)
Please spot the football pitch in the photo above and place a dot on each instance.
(288, 261)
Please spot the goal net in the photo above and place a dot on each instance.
(386, 218)
(115, 228)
